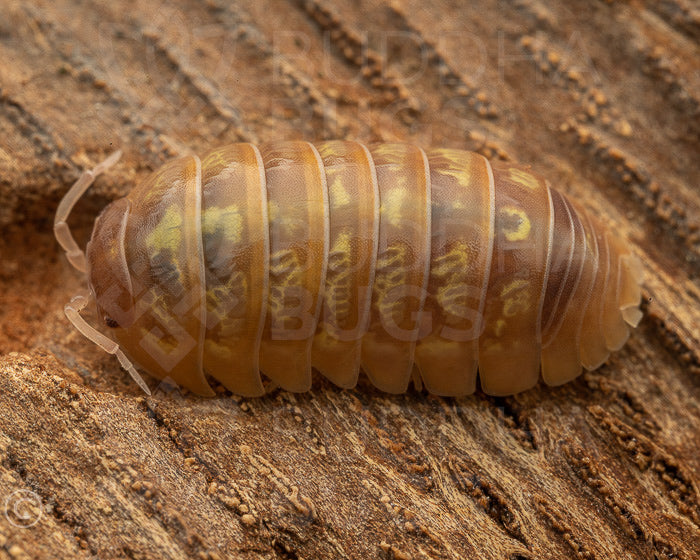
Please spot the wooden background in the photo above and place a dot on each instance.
(600, 97)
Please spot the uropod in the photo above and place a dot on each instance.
(408, 264)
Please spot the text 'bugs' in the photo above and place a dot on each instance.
(402, 262)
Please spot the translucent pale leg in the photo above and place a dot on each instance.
(75, 254)
(73, 309)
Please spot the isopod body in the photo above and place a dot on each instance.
(403, 262)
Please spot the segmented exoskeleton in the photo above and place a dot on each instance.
(336, 256)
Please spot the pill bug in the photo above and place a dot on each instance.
(405, 263)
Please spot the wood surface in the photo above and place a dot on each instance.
(601, 97)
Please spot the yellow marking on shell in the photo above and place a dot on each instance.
(165, 342)
(513, 286)
(222, 351)
(458, 169)
(498, 328)
(522, 226)
(516, 297)
(452, 294)
(391, 273)
(452, 298)
(225, 312)
(454, 262)
(460, 175)
(326, 149)
(216, 158)
(286, 273)
(167, 234)
(338, 194)
(339, 257)
(160, 185)
(285, 266)
(327, 335)
(338, 294)
(227, 219)
(523, 178)
(453, 155)
(114, 255)
(392, 206)
(385, 150)
(294, 228)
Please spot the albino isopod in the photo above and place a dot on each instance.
(402, 262)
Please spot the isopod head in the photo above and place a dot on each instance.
(107, 270)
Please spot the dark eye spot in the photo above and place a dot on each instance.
(111, 323)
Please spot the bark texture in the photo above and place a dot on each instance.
(600, 97)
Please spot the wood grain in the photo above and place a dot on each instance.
(600, 97)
